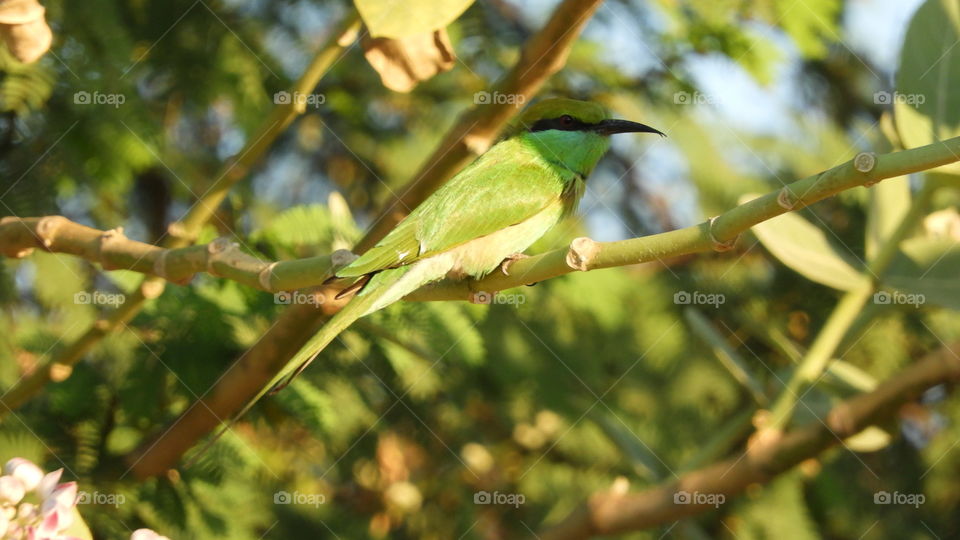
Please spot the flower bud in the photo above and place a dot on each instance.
(11, 489)
(26, 470)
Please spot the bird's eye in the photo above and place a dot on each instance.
(566, 120)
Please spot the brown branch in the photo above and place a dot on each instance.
(542, 55)
(113, 250)
(617, 512)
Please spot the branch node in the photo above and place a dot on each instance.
(178, 230)
(865, 162)
(113, 236)
(215, 249)
(160, 264)
(46, 228)
(581, 253)
(263, 278)
(786, 199)
(717, 244)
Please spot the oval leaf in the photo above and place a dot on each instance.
(803, 247)
(889, 202)
(926, 103)
(929, 267)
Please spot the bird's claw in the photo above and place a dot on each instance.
(505, 265)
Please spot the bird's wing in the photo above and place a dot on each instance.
(496, 191)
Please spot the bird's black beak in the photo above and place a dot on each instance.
(610, 127)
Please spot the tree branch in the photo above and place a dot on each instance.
(113, 250)
(617, 512)
(542, 55)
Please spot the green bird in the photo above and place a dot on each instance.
(491, 211)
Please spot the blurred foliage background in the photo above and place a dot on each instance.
(583, 379)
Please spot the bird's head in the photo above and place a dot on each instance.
(572, 115)
(570, 132)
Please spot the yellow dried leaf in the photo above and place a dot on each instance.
(24, 29)
(403, 63)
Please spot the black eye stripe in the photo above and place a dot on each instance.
(562, 123)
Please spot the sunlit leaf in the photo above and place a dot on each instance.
(398, 19)
(889, 202)
(806, 249)
(926, 104)
(402, 63)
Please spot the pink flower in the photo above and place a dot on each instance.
(50, 526)
(63, 497)
(49, 483)
(11, 489)
(26, 470)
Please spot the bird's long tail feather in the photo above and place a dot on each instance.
(383, 289)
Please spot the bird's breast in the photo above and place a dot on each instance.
(478, 257)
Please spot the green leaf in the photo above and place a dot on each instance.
(889, 202)
(812, 24)
(850, 376)
(926, 104)
(393, 19)
(641, 457)
(928, 267)
(780, 506)
(805, 248)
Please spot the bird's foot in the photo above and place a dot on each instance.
(505, 265)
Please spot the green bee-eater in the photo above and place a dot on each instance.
(491, 211)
